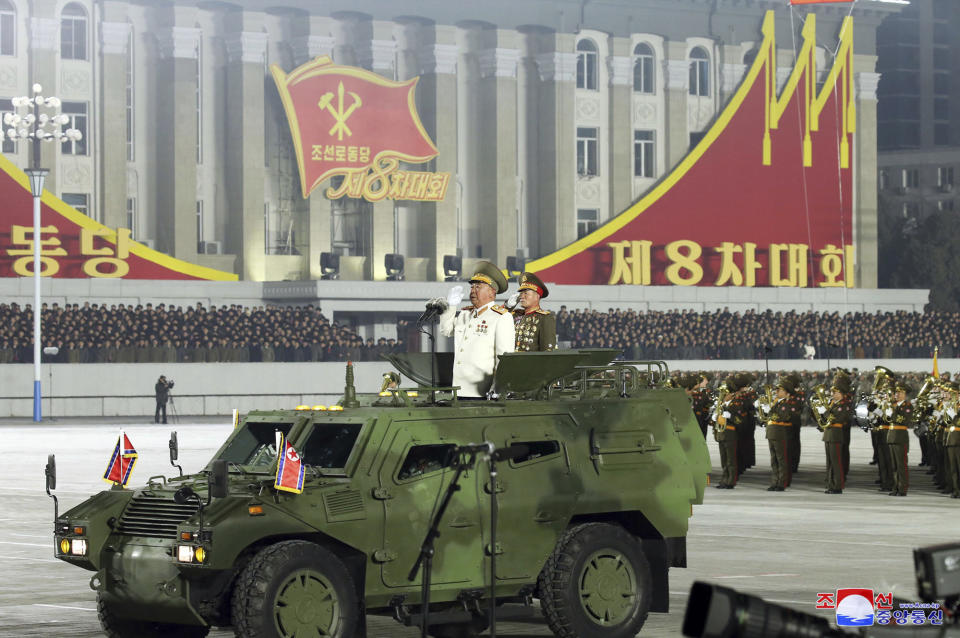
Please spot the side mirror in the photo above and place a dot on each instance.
(217, 480)
(184, 494)
(51, 472)
(174, 448)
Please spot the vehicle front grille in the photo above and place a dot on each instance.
(154, 517)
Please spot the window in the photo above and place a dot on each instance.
(911, 210)
(883, 180)
(200, 246)
(9, 146)
(78, 201)
(8, 28)
(699, 72)
(941, 135)
(587, 151)
(132, 216)
(255, 445)
(643, 153)
(131, 121)
(73, 32)
(643, 69)
(695, 138)
(941, 59)
(910, 178)
(587, 65)
(941, 108)
(77, 112)
(587, 221)
(945, 177)
(941, 84)
(536, 450)
(426, 459)
(750, 56)
(945, 206)
(330, 444)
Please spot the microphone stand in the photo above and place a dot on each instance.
(427, 549)
(431, 316)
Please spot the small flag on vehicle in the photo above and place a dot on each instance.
(236, 418)
(121, 462)
(289, 468)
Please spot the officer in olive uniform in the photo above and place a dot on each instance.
(898, 438)
(728, 416)
(835, 416)
(702, 398)
(481, 332)
(536, 328)
(780, 418)
(951, 444)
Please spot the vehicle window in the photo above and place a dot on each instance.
(330, 444)
(256, 444)
(424, 459)
(537, 450)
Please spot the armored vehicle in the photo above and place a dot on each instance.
(591, 501)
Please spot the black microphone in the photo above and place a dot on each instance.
(434, 308)
(510, 452)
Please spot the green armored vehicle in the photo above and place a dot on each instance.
(591, 508)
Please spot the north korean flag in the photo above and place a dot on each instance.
(121, 461)
(289, 469)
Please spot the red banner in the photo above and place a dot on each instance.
(352, 122)
(765, 199)
(74, 246)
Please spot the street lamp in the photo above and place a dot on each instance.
(40, 122)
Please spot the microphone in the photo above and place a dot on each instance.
(435, 307)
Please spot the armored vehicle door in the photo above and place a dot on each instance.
(536, 493)
(413, 476)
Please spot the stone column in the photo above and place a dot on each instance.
(557, 175)
(381, 54)
(438, 111)
(865, 177)
(177, 144)
(498, 154)
(44, 52)
(620, 134)
(114, 40)
(677, 74)
(305, 48)
(244, 151)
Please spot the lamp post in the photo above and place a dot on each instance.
(41, 122)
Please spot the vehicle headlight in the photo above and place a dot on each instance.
(191, 554)
(73, 546)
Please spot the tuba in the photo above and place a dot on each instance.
(763, 403)
(722, 393)
(923, 399)
(820, 399)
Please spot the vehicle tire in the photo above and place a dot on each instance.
(295, 588)
(468, 629)
(596, 583)
(116, 627)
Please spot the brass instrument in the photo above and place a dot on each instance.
(722, 393)
(820, 399)
(764, 403)
(883, 385)
(923, 400)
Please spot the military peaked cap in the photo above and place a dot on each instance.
(489, 274)
(529, 281)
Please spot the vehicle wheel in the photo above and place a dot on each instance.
(117, 627)
(295, 588)
(467, 629)
(596, 584)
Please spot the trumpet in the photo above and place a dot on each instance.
(820, 399)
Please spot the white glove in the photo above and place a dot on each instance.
(713, 416)
(877, 412)
(888, 412)
(455, 296)
(766, 409)
(821, 409)
(951, 413)
(513, 301)
(726, 414)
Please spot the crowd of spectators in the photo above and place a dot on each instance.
(99, 333)
(685, 334)
(118, 333)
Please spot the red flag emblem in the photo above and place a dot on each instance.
(344, 118)
(289, 469)
(121, 462)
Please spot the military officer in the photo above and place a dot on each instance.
(835, 417)
(728, 415)
(951, 443)
(780, 418)
(702, 397)
(900, 416)
(536, 328)
(481, 332)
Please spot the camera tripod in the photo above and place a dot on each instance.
(174, 416)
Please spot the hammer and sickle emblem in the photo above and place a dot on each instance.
(339, 114)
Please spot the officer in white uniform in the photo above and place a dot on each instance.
(481, 332)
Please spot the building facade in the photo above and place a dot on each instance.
(919, 109)
(553, 116)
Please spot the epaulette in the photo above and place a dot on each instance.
(499, 309)
(541, 311)
(465, 308)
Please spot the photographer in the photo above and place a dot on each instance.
(162, 392)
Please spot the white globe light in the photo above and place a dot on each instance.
(53, 102)
(37, 88)
(29, 119)
(8, 118)
(23, 132)
(43, 118)
(38, 100)
(12, 133)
